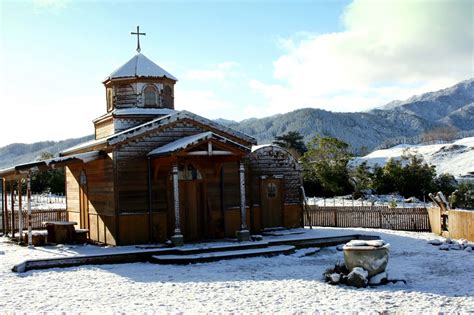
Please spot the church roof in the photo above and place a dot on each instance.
(154, 124)
(140, 67)
(184, 143)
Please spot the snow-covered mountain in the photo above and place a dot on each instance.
(455, 158)
(396, 122)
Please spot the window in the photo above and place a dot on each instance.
(110, 100)
(272, 190)
(150, 96)
(188, 172)
(82, 179)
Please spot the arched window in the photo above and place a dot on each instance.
(82, 178)
(188, 172)
(151, 96)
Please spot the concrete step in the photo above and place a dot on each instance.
(321, 241)
(221, 255)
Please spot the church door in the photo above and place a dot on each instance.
(83, 201)
(192, 202)
(271, 196)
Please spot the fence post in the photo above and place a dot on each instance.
(380, 218)
(335, 217)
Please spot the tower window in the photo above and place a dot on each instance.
(151, 96)
(110, 100)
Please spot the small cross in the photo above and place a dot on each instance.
(138, 37)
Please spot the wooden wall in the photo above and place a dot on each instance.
(461, 224)
(132, 169)
(104, 128)
(275, 161)
(101, 201)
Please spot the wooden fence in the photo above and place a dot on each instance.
(37, 218)
(406, 219)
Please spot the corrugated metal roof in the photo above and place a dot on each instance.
(138, 67)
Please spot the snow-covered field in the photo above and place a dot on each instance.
(436, 281)
(370, 200)
(455, 158)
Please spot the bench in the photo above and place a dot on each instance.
(80, 236)
(38, 238)
(60, 232)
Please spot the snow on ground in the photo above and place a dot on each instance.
(370, 200)
(455, 158)
(438, 281)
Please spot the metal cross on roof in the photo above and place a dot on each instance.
(138, 37)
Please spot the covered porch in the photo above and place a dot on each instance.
(198, 184)
(18, 217)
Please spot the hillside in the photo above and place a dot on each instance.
(452, 107)
(455, 158)
(17, 153)
(393, 123)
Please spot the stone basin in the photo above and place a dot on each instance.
(371, 255)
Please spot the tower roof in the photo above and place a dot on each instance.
(140, 67)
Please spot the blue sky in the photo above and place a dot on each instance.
(234, 60)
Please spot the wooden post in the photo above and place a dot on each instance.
(243, 234)
(20, 212)
(5, 202)
(177, 238)
(12, 188)
(28, 196)
(4, 228)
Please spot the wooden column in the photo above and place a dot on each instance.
(177, 238)
(243, 234)
(5, 205)
(28, 196)
(12, 194)
(20, 212)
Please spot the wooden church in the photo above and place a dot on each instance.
(154, 173)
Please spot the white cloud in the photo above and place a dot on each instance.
(51, 5)
(388, 50)
(220, 71)
(202, 102)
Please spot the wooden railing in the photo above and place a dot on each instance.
(37, 218)
(406, 219)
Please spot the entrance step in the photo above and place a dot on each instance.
(183, 259)
(321, 241)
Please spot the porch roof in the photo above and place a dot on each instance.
(186, 142)
(49, 163)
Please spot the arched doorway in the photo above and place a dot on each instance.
(83, 201)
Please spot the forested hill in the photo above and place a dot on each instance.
(452, 107)
(388, 125)
(17, 153)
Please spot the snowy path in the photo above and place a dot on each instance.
(437, 281)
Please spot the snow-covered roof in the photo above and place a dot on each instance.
(140, 67)
(179, 115)
(49, 163)
(184, 143)
(256, 147)
(143, 111)
(157, 123)
(136, 112)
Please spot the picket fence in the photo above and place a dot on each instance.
(382, 217)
